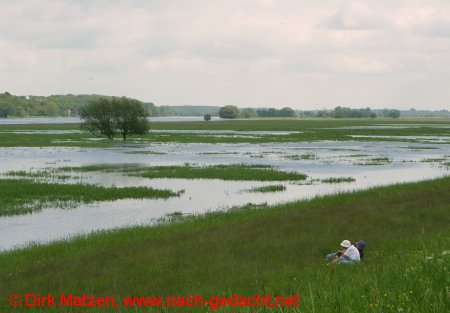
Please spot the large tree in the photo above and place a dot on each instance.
(229, 111)
(248, 113)
(130, 116)
(112, 116)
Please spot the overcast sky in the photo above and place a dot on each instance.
(251, 53)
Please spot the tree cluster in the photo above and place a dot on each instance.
(58, 105)
(284, 112)
(114, 116)
(425, 113)
(231, 111)
(391, 113)
(343, 112)
(22, 106)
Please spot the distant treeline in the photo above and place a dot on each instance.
(425, 113)
(343, 112)
(69, 105)
(231, 111)
(22, 106)
(184, 110)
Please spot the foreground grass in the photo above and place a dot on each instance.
(20, 196)
(277, 250)
(224, 172)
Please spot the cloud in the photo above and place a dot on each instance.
(258, 52)
(355, 16)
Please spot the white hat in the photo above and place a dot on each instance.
(345, 244)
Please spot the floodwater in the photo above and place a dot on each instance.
(369, 163)
(64, 120)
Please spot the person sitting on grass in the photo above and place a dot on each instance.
(360, 245)
(347, 255)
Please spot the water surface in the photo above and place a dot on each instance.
(403, 162)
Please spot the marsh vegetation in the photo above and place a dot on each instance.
(269, 188)
(255, 172)
(188, 171)
(19, 196)
(414, 278)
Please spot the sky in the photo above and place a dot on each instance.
(251, 53)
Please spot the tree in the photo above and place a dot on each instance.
(229, 111)
(130, 117)
(207, 117)
(394, 114)
(272, 112)
(112, 116)
(249, 113)
(98, 118)
(52, 109)
(343, 112)
(287, 112)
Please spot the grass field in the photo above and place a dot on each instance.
(304, 130)
(262, 250)
(20, 196)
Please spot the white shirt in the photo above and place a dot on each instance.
(352, 254)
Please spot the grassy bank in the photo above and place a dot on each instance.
(224, 172)
(20, 196)
(277, 250)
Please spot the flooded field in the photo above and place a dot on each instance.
(331, 166)
(64, 120)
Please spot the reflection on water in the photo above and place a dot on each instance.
(319, 160)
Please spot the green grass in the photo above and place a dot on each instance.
(107, 168)
(375, 161)
(20, 196)
(265, 189)
(435, 160)
(260, 250)
(225, 172)
(291, 124)
(50, 173)
(307, 156)
(420, 148)
(304, 130)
